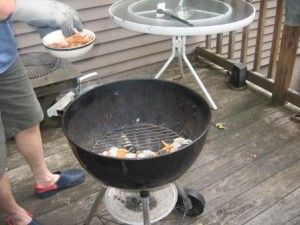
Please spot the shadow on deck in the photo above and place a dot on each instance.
(249, 173)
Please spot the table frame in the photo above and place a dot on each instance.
(179, 49)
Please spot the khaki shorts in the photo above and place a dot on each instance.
(19, 107)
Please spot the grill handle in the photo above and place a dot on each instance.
(89, 77)
(82, 79)
(58, 108)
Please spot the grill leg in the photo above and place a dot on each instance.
(95, 206)
(146, 208)
(186, 200)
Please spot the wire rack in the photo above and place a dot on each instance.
(39, 64)
(137, 137)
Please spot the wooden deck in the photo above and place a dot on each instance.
(248, 173)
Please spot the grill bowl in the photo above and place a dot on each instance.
(126, 103)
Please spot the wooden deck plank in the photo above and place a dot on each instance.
(41, 207)
(294, 221)
(250, 175)
(282, 212)
(253, 173)
(246, 117)
(209, 77)
(256, 200)
(70, 214)
(229, 100)
(16, 160)
(225, 164)
(48, 134)
(218, 147)
(55, 162)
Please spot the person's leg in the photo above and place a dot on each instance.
(29, 143)
(16, 213)
(21, 115)
(7, 202)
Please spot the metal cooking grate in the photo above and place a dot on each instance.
(137, 137)
(39, 64)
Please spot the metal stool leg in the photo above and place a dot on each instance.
(93, 210)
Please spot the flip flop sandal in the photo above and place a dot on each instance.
(67, 179)
(8, 220)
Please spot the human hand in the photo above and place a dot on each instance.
(48, 15)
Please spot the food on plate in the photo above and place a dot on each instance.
(74, 41)
(123, 153)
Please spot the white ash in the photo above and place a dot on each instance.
(130, 155)
(145, 154)
(105, 153)
(113, 151)
(178, 142)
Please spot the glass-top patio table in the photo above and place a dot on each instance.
(182, 18)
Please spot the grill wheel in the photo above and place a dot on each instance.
(198, 203)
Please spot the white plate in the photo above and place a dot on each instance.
(57, 37)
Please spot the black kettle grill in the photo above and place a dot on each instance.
(146, 112)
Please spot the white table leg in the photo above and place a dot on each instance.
(179, 55)
(178, 46)
(209, 98)
(169, 60)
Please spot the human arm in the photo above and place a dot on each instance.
(6, 8)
